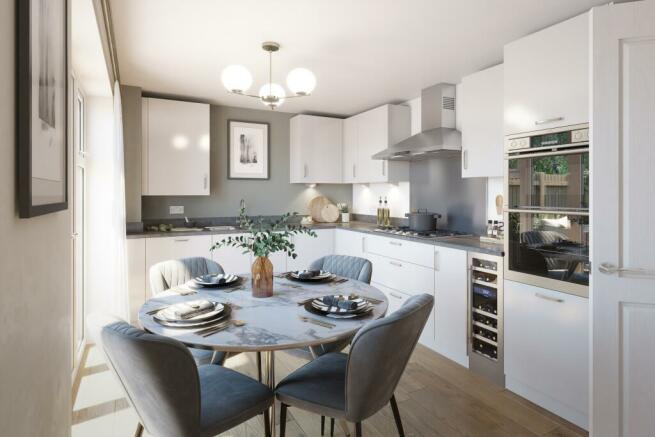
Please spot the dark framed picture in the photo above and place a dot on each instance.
(41, 106)
(247, 150)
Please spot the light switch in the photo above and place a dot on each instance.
(176, 209)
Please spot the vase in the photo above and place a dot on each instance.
(262, 277)
(345, 217)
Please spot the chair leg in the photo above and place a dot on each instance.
(139, 430)
(283, 419)
(396, 416)
(331, 426)
(358, 429)
(322, 425)
(267, 423)
(259, 366)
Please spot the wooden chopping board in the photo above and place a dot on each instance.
(316, 206)
(330, 213)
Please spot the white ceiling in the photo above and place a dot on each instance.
(364, 52)
(87, 57)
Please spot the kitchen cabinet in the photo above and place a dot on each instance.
(402, 276)
(451, 303)
(547, 78)
(482, 124)
(370, 132)
(315, 150)
(232, 259)
(349, 243)
(175, 148)
(136, 276)
(167, 248)
(402, 250)
(546, 349)
(310, 248)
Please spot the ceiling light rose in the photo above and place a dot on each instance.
(301, 81)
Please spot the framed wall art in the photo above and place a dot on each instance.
(248, 150)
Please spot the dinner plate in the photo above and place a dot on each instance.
(363, 311)
(165, 315)
(320, 304)
(311, 275)
(216, 280)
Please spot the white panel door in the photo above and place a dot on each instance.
(310, 249)
(232, 259)
(482, 127)
(547, 77)
(177, 148)
(349, 243)
(136, 276)
(450, 295)
(373, 137)
(316, 147)
(349, 153)
(622, 210)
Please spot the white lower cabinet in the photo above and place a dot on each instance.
(349, 243)
(136, 276)
(232, 259)
(546, 349)
(450, 301)
(166, 248)
(310, 249)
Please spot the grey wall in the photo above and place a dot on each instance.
(269, 197)
(437, 184)
(35, 295)
(131, 106)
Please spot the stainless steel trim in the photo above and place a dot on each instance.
(469, 319)
(611, 269)
(571, 127)
(568, 150)
(570, 211)
(550, 298)
(548, 120)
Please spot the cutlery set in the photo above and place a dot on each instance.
(317, 322)
(218, 328)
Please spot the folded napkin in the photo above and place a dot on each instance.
(186, 310)
(340, 303)
(308, 274)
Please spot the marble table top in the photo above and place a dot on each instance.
(270, 323)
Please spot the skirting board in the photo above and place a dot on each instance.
(574, 416)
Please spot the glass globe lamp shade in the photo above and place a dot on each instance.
(301, 81)
(272, 94)
(236, 78)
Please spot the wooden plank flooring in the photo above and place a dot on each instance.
(436, 397)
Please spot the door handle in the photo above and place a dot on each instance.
(393, 263)
(204, 181)
(397, 296)
(436, 261)
(395, 243)
(181, 240)
(552, 299)
(353, 170)
(611, 269)
(466, 159)
(548, 120)
(306, 172)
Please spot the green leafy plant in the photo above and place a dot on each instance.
(265, 237)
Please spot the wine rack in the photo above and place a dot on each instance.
(485, 316)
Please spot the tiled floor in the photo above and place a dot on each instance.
(436, 397)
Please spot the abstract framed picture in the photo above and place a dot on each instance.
(41, 106)
(247, 150)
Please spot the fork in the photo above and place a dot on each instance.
(317, 322)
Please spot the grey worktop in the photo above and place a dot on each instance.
(468, 243)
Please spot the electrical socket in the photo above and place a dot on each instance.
(176, 209)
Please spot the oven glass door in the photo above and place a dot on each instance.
(549, 245)
(555, 181)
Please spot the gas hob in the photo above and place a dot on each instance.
(430, 235)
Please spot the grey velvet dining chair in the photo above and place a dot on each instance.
(175, 272)
(171, 395)
(357, 385)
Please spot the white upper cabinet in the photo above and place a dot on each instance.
(316, 147)
(175, 148)
(547, 78)
(482, 123)
(370, 132)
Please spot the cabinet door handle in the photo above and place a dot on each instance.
(363, 244)
(204, 181)
(306, 172)
(181, 240)
(550, 298)
(611, 269)
(353, 170)
(393, 263)
(466, 159)
(548, 120)
(397, 296)
(436, 260)
(384, 172)
(395, 243)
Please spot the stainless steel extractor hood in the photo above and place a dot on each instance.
(438, 137)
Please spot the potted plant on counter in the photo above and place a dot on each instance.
(263, 239)
(343, 209)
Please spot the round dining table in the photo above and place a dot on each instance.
(266, 325)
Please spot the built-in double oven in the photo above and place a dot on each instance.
(547, 209)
